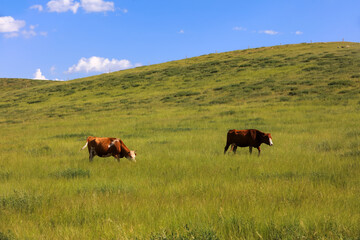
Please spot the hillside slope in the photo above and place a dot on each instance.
(176, 115)
(11, 84)
(318, 71)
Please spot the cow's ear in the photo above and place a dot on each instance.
(135, 152)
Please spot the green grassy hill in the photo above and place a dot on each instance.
(9, 84)
(176, 115)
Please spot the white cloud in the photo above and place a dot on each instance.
(63, 6)
(87, 5)
(38, 75)
(99, 64)
(26, 33)
(37, 7)
(181, 31)
(298, 32)
(239, 29)
(269, 32)
(97, 6)
(9, 24)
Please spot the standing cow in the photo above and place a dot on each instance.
(247, 138)
(106, 147)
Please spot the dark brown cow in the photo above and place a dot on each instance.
(247, 138)
(106, 147)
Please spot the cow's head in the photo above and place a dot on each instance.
(131, 156)
(268, 139)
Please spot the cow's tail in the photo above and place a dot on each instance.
(84, 146)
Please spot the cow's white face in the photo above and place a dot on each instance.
(270, 141)
(132, 156)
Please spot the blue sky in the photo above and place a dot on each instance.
(68, 39)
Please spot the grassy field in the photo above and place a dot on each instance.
(176, 115)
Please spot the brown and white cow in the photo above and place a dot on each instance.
(106, 147)
(247, 138)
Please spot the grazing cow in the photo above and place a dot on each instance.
(106, 147)
(247, 138)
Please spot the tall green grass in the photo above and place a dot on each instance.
(176, 115)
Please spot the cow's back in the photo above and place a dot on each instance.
(242, 138)
(99, 145)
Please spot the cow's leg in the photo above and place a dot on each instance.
(233, 148)
(117, 157)
(91, 155)
(258, 148)
(226, 147)
(250, 150)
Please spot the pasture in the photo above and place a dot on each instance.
(176, 115)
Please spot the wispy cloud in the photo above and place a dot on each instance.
(37, 7)
(124, 10)
(29, 33)
(298, 33)
(269, 32)
(11, 35)
(181, 31)
(15, 31)
(44, 34)
(97, 5)
(53, 70)
(100, 64)
(239, 28)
